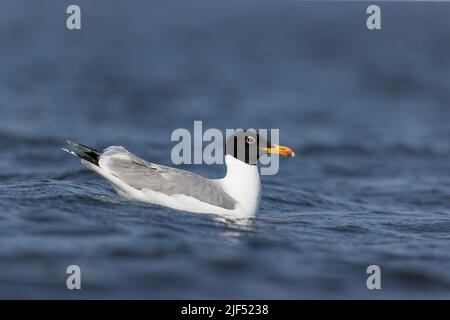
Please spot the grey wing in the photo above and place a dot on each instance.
(141, 175)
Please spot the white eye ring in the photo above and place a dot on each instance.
(249, 139)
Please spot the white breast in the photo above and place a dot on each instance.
(242, 183)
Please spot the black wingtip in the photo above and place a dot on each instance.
(87, 153)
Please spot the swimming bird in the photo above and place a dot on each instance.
(238, 194)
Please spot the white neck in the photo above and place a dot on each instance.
(242, 183)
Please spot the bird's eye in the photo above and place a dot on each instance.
(249, 139)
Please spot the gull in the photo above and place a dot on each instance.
(236, 195)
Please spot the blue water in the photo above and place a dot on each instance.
(367, 113)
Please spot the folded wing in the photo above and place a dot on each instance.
(143, 175)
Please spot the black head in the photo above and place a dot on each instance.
(248, 146)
